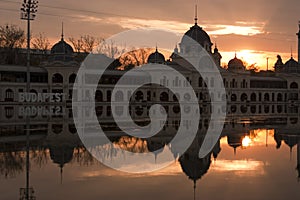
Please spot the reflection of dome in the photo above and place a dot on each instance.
(291, 141)
(61, 154)
(199, 35)
(235, 64)
(193, 166)
(156, 57)
(234, 140)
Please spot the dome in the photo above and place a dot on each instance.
(236, 64)
(156, 57)
(61, 154)
(62, 52)
(199, 35)
(291, 63)
(193, 166)
(62, 48)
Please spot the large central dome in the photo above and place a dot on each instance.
(199, 35)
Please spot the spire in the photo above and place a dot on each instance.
(235, 54)
(196, 14)
(291, 51)
(62, 30)
(216, 47)
(176, 49)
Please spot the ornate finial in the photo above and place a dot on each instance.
(234, 54)
(196, 14)
(62, 31)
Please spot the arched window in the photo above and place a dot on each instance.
(279, 97)
(57, 78)
(266, 97)
(200, 81)
(294, 85)
(164, 96)
(253, 109)
(139, 111)
(244, 97)
(119, 97)
(176, 109)
(9, 95)
(99, 111)
(99, 96)
(119, 110)
(72, 78)
(9, 112)
(139, 96)
(244, 109)
(57, 128)
(233, 97)
(253, 97)
(233, 109)
(72, 129)
(266, 109)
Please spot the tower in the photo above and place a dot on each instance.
(298, 42)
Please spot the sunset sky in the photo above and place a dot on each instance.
(255, 29)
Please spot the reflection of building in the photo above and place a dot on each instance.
(291, 137)
(193, 166)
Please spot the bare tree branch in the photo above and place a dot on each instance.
(11, 36)
(41, 42)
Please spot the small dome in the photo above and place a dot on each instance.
(62, 48)
(291, 63)
(156, 57)
(199, 35)
(236, 64)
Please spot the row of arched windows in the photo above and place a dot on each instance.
(58, 78)
(259, 97)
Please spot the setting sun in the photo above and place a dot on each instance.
(246, 141)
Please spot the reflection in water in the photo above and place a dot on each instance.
(54, 140)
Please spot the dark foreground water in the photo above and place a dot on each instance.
(257, 157)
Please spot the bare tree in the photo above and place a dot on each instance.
(77, 44)
(85, 43)
(11, 36)
(110, 48)
(253, 67)
(89, 43)
(41, 42)
(136, 57)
